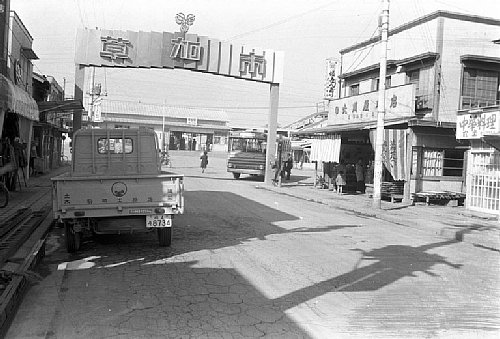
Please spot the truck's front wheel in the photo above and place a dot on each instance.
(164, 236)
(236, 175)
(72, 238)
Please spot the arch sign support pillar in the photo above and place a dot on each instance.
(127, 49)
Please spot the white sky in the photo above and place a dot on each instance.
(307, 31)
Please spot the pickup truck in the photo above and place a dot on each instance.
(116, 186)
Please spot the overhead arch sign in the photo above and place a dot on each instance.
(128, 49)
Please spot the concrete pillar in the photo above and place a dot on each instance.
(271, 133)
(79, 90)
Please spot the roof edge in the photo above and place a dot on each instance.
(423, 19)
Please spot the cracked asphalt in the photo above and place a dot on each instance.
(251, 263)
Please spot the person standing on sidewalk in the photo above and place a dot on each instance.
(288, 166)
(360, 176)
(340, 181)
(278, 167)
(204, 161)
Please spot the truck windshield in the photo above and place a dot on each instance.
(114, 145)
(247, 145)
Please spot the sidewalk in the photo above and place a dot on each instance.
(456, 222)
(36, 196)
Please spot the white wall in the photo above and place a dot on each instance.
(411, 42)
(462, 38)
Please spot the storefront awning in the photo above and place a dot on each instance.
(326, 149)
(17, 100)
(59, 106)
(351, 127)
(301, 144)
(493, 140)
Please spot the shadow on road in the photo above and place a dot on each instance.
(389, 264)
(221, 299)
(197, 300)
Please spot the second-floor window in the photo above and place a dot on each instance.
(422, 79)
(354, 89)
(480, 88)
(376, 83)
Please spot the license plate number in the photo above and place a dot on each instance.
(158, 220)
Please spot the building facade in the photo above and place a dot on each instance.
(424, 89)
(18, 110)
(51, 131)
(478, 122)
(178, 128)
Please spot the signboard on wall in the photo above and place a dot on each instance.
(109, 48)
(400, 102)
(97, 110)
(192, 121)
(476, 125)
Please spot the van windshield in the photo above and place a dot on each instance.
(247, 145)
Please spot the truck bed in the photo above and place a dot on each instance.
(120, 195)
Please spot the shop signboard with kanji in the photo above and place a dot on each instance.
(476, 125)
(128, 49)
(399, 103)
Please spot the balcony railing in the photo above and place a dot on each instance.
(474, 102)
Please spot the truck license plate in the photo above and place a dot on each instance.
(158, 220)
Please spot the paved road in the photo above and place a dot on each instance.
(247, 262)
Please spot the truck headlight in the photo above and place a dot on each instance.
(261, 167)
(229, 165)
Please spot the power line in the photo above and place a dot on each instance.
(277, 23)
(80, 13)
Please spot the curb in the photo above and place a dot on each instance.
(30, 254)
(487, 239)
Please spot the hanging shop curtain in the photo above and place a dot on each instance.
(326, 149)
(393, 152)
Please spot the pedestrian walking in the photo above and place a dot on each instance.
(288, 166)
(360, 177)
(204, 161)
(279, 171)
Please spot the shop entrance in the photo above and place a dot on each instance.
(127, 49)
(190, 141)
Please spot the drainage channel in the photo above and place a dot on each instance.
(17, 231)
(15, 276)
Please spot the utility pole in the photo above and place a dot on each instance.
(64, 89)
(379, 136)
(91, 106)
(4, 35)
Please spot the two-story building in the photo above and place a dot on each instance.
(18, 110)
(427, 62)
(49, 134)
(478, 122)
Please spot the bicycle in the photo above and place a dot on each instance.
(166, 160)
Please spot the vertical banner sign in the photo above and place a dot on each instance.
(97, 110)
(393, 152)
(331, 78)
